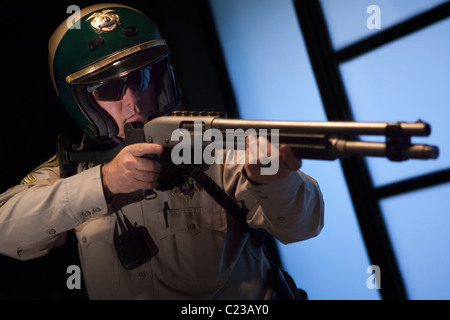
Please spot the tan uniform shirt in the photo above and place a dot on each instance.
(202, 254)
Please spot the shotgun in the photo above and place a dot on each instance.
(187, 135)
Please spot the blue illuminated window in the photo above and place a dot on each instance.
(272, 79)
(418, 224)
(404, 80)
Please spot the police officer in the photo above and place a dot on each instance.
(115, 69)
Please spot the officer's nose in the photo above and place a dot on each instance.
(131, 95)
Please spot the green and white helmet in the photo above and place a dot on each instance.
(108, 45)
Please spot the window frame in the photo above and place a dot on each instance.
(366, 198)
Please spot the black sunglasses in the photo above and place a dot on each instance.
(114, 90)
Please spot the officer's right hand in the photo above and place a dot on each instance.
(130, 171)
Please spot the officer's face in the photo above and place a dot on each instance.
(134, 106)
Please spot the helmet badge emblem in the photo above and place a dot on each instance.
(104, 21)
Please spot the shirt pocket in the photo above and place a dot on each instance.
(190, 242)
(191, 221)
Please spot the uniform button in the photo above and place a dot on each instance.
(280, 218)
(83, 239)
(96, 209)
(141, 275)
(192, 227)
(86, 213)
(51, 231)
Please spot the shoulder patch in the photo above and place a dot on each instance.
(50, 163)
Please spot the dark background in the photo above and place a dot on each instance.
(32, 115)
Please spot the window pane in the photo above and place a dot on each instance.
(405, 80)
(418, 224)
(272, 79)
(333, 265)
(347, 19)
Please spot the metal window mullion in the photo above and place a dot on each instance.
(412, 184)
(393, 33)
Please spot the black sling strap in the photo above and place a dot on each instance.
(280, 280)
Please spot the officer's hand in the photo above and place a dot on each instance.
(129, 171)
(279, 169)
